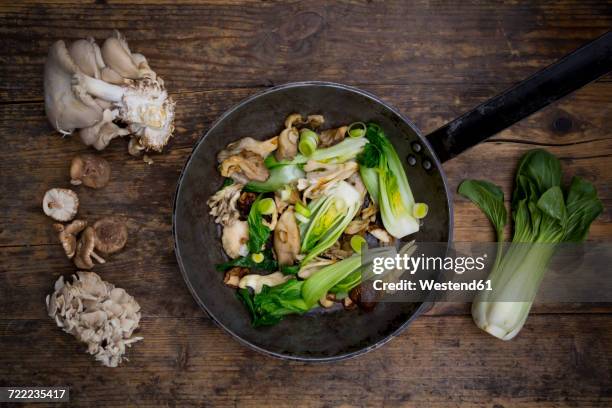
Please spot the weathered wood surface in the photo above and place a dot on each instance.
(432, 60)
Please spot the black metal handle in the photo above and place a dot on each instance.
(544, 87)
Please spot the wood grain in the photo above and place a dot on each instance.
(437, 362)
(433, 60)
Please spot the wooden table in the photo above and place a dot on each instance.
(431, 59)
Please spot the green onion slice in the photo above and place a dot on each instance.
(308, 142)
(267, 206)
(302, 209)
(301, 218)
(420, 210)
(257, 258)
(356, 129)
(357, 241)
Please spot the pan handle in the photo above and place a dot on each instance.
(572, 72)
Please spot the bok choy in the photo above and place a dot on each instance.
(383, 175)
(544, 215)
(329, 216)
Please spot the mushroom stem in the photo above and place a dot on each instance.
(99, 88)
(97, 257)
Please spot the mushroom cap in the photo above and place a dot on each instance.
(84, 53)
(117, 55)
(65, 110)
(111, 234)
(90, 170)
(61, 204)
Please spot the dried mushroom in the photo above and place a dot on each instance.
(244, 167)
(106, 93)
(287, 238)
(223, 204)
(85, 254)
(110, 235)
(96, 313)
(61, 204)
(89, 170)
(68, 235)
(234, 239)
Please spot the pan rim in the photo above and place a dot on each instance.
(419, 310)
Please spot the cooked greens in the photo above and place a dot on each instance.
(297, 217)
(258, 232)
(330, 215)
(390, 189)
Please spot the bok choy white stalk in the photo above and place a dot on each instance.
(383, 175)
(329, 216)
(544, 216)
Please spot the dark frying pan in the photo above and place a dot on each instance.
(325, 336)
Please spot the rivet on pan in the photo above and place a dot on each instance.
(411, 160)
(426, 164)
(416, 147)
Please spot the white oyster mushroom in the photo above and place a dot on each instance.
(235, 238)
(256, 282)
(96, 313)
(106, 93)
(61, 204)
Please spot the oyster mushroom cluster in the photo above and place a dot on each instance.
(96, 313)
(107, 92)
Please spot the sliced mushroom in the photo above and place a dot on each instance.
(381, 234)
(287, 144)
(249, 144)
(327, 301)
(331, 137)
(320, 176)
(223, 204)
(287, 238)
(315, 121)
(244, 167)
(111, 234)
(314, 266)
(257, 282)
(233, 276)
(234, 239)
(348, 303)
(61, 204)
(67, 235)
(89, 170)
(336, 252)
(85, 255)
